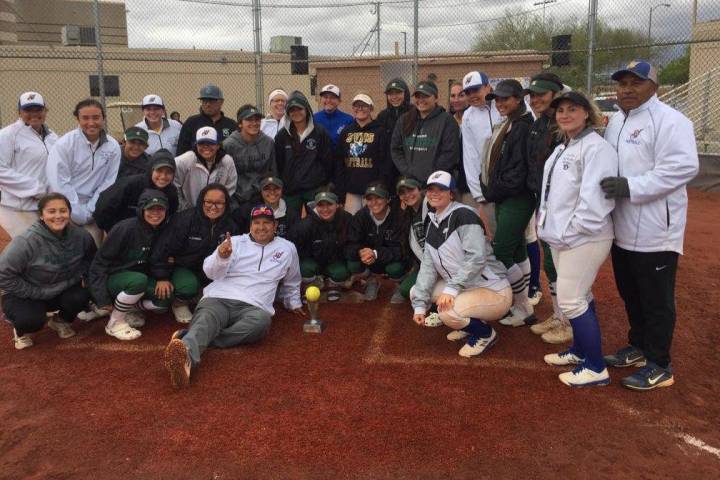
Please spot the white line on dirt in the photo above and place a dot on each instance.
(696, 442)
(112, 347)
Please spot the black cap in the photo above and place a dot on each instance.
(377, 190)
(163, 158)
(271, 181)
(506, 88)
(248, 112)
(574, 97)
(136, 133)
(407, 183)
(426, 87)
(210, 92)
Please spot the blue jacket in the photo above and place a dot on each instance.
(333, 123)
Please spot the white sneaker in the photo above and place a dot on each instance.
(122, 331)
(22, 341)
(181, 312)
(545, 326)
(560, 334)
(433, 320)
(457, 335)
(535, 299)
(475, 346)
(562, 359)
(517, 318)
(93, 314)
(63, 329)
(135, 318)
(584, 377)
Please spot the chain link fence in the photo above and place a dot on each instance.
(174, 47)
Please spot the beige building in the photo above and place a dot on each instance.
(702, 106)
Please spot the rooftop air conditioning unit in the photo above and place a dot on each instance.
(77, 35)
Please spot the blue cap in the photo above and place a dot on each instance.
(639, 68)
(475, 80)
(211, 92)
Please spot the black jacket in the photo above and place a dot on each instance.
(127, 247)
(120, 201)
(142, 164)
(241, 216)
(389, 117)
(362, 157)
(189, 238)
(305, 165)
(385, 238)
(507, 177)
(321, 240)
(541, 143)
(224, 127)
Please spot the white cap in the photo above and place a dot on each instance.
(152, 100)
(277, 92)
(566, 88)
(30, 99)
(475, 80)
(442, 179)
(361, 97)
(330, 88)
(206, 135)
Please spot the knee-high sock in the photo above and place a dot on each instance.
(518, 283)
(478, 328)
(123, 303)
(149, 306)
(587, 341)
(533, 250)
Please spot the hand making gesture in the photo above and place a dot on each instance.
(225, 248)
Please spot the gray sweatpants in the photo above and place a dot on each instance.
(224, 323)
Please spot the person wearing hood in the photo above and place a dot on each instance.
(45, 270)
(120, 201)
(192, 235)
(303, 152)
(321, 238)
(504, 182)
(331, 117)
(426, 138)
(270, 125)
(120, 279)
(163, 133)
(271, 193)
(206, 163)
(253, 153)
(24, 147)
(134, 158)
(397, 95)
(414, 221)
(211, 115)
(473, 288)
(362, 155)
(84, 163)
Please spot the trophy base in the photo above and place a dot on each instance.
(313, 326)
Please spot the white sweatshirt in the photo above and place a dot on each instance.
(270, 127)
(658, 155)
(23, 159)
(191, 176)
(81, 171)
(167, 138)
(254, 273)
(477, 126)
(574, 211)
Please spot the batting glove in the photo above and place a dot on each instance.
(615, 187)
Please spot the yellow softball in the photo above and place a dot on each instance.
(312, 294)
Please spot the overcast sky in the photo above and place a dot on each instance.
(337, 27)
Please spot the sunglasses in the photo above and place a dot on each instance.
(262, 212)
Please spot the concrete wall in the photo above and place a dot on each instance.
(704, 77)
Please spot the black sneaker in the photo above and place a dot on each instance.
(649, 377)
(626, 357)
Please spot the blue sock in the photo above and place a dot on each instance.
(591, 306)
(587, 341)
(533, 251)
(478, 328)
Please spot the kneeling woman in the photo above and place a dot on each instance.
(43, 270)
(574, 219)
(320, 239)
(473, 288)
(120, 274)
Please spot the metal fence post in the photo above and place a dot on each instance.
(257, 31)
(592, 20)
(99, 55)
(416, 66)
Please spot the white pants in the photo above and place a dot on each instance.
(487, 212)
(94, 232)
(353, 203)
(467, 199)
(481, 303)
(15, 222)
(576, 270)
(530, 232)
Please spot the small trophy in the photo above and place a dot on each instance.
(314, 325)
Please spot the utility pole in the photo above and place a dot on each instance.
(543, 3)
(257, 31)
(99, 54)
(404, 34)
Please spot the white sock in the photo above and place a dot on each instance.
(519, 286)
(149, 306)
(123, 303)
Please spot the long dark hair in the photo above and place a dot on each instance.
(45, 199)
(88, 102)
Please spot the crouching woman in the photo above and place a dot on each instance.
(473, 287)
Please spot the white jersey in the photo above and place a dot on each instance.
(477, 128)
(191, 176)
(167, 138)
(270, 127)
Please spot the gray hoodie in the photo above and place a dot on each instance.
(253, 162)
(41, 265)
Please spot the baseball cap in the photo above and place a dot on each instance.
(206, 135)
(155, 201)
(330, 88)
(394, 85)
(442, 179)
(328, 197)
(30, 99)
(639, 68)
(506, 88)
(426, 87)
(152, 100)
(211, 92)
(277, 92)
(575, 97)
(542, 85)
(475, 80)
(377, 190)
(136, 133)
(407, 183)
(249, 112)
(361, 97)
(262, 211)
(163, 158)
(271, 181)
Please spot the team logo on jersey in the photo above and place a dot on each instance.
(226, 132)
(633, 138)
(357, 149)
(311, 144)
(276, 256)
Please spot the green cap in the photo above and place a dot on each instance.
(426, 87)
(328, 197)
(271, 181)
(156, 201)
(249, 112)
(542, 86)
(407, 183)
(378, 191)
(136, 133)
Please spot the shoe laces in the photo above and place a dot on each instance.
(647, 371)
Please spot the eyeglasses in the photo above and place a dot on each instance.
(213, 204)
(360, 106)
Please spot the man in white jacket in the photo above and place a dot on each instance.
(83, 163)
(24, 147)
(247, 272)
(658, 157)
(162, 132)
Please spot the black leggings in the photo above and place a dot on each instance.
(28, 315)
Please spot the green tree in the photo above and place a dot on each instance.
(677, 71)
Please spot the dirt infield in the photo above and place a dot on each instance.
(373, 397)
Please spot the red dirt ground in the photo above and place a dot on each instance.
(374, 397)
